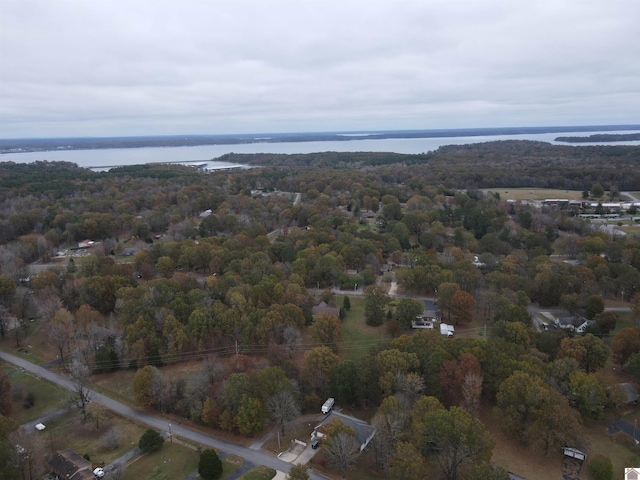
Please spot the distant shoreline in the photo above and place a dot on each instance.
(63, 144)
(602, 137)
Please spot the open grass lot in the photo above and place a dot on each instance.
(514, 457)
(357, 336)
(173, 461)
(535, 193)
(35, 347)
(73, 432)
(630, 229)
(625, 319)
(617, 448)
(259, 473)
(47, 396)
(119, 384)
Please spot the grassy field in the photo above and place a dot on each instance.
(172, 461)
(617, 448)
(357, 336)
(535, 193)
(73, 432)
(48, 397)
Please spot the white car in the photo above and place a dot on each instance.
(99, 472)
(40, 426)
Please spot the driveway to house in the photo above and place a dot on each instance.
(618, 425)
(253, 456)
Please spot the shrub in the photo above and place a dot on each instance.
(111, 439)
(600, 467)
(29, 400)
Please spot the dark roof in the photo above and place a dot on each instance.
(70, 465)
(322, 307)
(630, 392)
(364, 431)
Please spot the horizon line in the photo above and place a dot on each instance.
(504, 130)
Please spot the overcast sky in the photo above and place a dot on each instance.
(147, 67)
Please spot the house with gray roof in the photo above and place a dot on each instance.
(323, 307)
(68, 465)
(364, 431)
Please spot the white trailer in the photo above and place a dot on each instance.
(326, 406)
(447, 330)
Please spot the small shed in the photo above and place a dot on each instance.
(574, 453)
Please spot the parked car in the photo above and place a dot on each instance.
(315, 443)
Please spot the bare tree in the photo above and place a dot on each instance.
(97, 413)
(292, 337)
(342, 450)
(381, 444)
(60, 331)
(19, 331)
(48, 302)
(282, 407)
(28, 454)
(112, 439)
(24, 306)
(80, 394)
(4, 321)
(410, 386)
(471, 390)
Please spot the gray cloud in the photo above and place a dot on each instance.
(116, 67)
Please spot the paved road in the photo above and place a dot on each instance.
(621, 425)
(253, 456)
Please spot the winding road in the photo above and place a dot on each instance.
(254, 456)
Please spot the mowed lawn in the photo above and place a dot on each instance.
(174, 461)
(535, 193)
(47, 397)
(84, 436)
(357, 336)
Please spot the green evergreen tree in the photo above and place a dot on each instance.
(210, 465)
(150, 441)
(346, 303)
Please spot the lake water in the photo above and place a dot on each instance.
(206, 155)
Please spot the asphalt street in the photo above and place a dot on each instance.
(178, 430)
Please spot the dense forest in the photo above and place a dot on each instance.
(87, 143)
(186, 265)
(603, 137)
